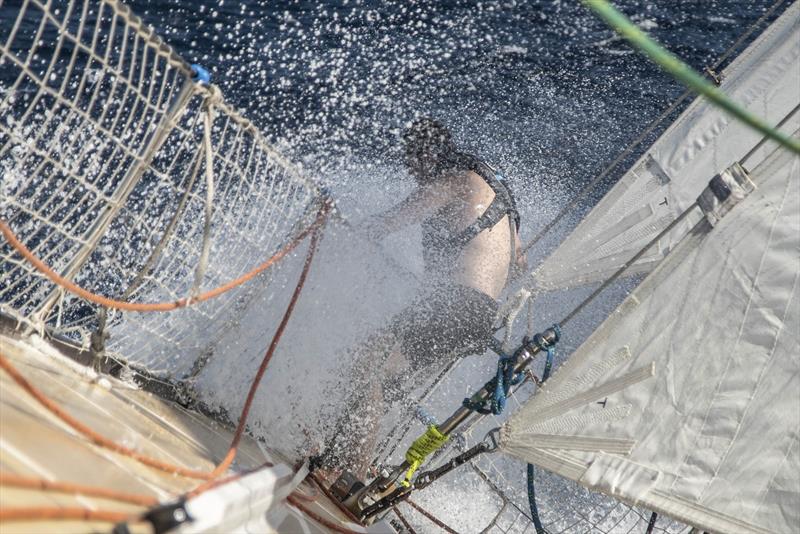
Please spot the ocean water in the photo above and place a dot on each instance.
(542, 90)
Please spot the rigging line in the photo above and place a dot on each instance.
(438, 522)
(535, 519)
(652, 523)
(764, 139)
(404, 521)
(336, 527)
(588, 188)
(731, 49)
(17, 481)
(45, 513)
(610, 280)
(684, 73)
(315, 236)
(87, 432)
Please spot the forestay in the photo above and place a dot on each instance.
(713, 435)
(664, 182)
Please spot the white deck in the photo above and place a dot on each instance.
(35, 443)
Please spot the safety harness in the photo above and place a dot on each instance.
(502, 204)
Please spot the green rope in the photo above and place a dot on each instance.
(683, 73)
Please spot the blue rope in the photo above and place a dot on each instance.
(542, 343)
(499, 387)
(537, 523)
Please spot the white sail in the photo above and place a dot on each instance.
(667, 179)
(701, 362)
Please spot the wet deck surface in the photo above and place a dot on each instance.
(36, 443)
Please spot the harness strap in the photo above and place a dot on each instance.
(502, 204)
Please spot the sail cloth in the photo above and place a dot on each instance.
(669, 177)
(686, 400)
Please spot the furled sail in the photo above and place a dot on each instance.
(685, 400)
(669, 177)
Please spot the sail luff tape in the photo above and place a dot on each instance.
(685, 74)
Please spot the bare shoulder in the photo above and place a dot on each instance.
(461, 182)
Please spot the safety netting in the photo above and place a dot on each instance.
(125, 172)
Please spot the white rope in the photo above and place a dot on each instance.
(74, 136)
(208, 121)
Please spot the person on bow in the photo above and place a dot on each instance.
(470, 246)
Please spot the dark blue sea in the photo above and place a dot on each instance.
(543, 90)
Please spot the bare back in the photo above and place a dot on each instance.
(483, 262)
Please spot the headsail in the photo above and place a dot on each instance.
(670, 176)
(684, 400)
(716, 429)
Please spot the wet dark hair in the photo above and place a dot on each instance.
(428, 140)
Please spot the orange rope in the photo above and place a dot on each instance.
(226, 462)
(19, 514)
(93, 436)
(7, 479)
(43, 513)
(156, 306)
(318, 518)
(102, 441)
(306, 498)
